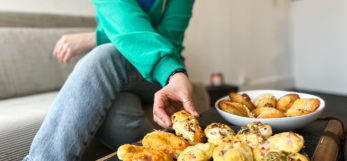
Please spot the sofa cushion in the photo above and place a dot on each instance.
(27, 65)
(20, 118)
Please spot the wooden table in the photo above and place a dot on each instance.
(322, 137)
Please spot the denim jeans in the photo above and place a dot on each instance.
(102, 97)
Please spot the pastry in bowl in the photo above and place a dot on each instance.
(165, 141)
(216, 132)
(303, 107)
(267, 112)
(187, 127)
(243, 99)
(232, 151)
(235, 108)
(129, 152)
(265, 100)
(286, 101)
(198, 152)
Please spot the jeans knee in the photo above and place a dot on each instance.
(99, 57)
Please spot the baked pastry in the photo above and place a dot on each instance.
(289, 142)
(265, 100)
(235, 152)
(303, 107)
(198, 152)
(297, 157)
(286, 101)
(216, 132)
(267, 112)
(263, 130)
(234, 108)
(187, 126)
(253, 134)
(250, 139)
(243, 99)
(165, 141)
(129, 152)
(284, 156)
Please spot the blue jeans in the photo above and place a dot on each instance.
(102, 97)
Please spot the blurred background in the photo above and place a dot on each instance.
(254, 44)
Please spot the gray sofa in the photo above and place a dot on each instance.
(30, 77)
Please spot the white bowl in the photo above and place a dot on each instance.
(278, 124)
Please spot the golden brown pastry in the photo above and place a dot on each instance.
(234, 108)
(271, 113)
(297, 157)
(216, 132)
(129, 152)
(263, 130)
(267, 112)
(187, 126)
(265, 100)
(250, 139)
(303, 107)
(243, 99)
(165, 141)
(289, 142)
(286, 101)
(253, 134)
(198, 152)
(235, 152)
(284, 156)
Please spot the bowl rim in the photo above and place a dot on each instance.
(318, 110)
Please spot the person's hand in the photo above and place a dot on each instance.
(171, 98)
(71, 45)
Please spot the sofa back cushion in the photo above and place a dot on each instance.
(27, 65)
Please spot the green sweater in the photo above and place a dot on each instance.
(151, 41)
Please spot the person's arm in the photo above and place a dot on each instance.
(175, 21)
(130, 31)
(70, 45)
(179, 89)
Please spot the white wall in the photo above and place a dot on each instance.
(242, 39)
(320, 45)
(67, 7)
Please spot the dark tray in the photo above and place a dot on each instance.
(310, 132)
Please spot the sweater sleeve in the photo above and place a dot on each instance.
(175, 21)
(130, 31)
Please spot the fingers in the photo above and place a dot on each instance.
(159, 114)
(67, 56)
(57, 46)
(61, 53)
(188, 106)
(62, 50)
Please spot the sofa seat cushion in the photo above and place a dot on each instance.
(20, 118)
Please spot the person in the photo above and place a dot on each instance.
(135, 54)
